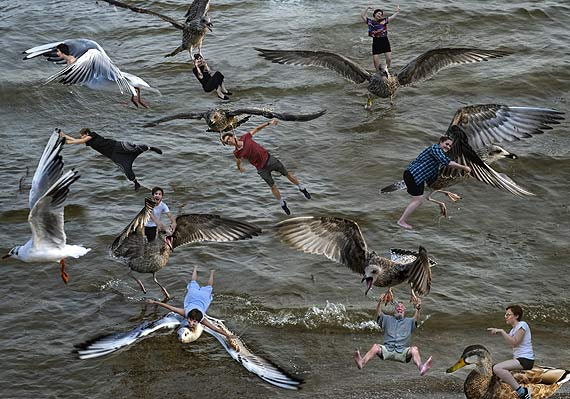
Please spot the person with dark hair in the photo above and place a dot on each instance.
(264, 162)
(397, 338)
(378, 30)
(64, 53)
(196, 303)
(520, 339)
(122, 153)
(425, 169)
(208, 81)
(151, 226)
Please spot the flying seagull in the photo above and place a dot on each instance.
(50, 187)
(380, 83)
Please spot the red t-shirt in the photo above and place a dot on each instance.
(253, 152)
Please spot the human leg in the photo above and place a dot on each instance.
(413, 205)
(376, 61)
(194, 273)
(150, 233)
(388, 56)
(502, 370)
(423, 368)
(361, 361)
(211, 279)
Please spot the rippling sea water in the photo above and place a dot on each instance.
(305, 313)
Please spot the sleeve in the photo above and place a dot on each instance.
(413, 324)
(380, 320)
(440, 155)
(386, 20)
(165, 208)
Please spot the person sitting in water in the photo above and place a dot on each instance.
(208, 81)
(265, 163)
(121, 152)
(520, 339)
(397, 337)
(378, 30)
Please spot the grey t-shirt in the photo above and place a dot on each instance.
(397, 333)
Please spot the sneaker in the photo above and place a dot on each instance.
(224, 97)
(306, 193)
(137, 186)
(525, 395)
(229, 93)
(285, 208)
(155, 149)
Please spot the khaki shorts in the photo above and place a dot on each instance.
(403, 357)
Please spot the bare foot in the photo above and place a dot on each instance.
(404, 225)
(358, 360)
(425, 367)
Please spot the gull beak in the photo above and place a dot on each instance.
(368, 284)
(460, 364)
(6, 256)
(209, 25)
(168, 241)
(512, 156)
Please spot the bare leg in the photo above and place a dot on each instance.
(416, 201)
(388, 60)
(166, 294)
(138, 281)
(376, 60)
(211, 279)
(361, 361)
(64, 275)
(195, 273)
(501, 370)
(276, 192)
(293, 179)
(224, 90)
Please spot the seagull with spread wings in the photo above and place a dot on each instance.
(257, 365)
(50, 187)
(91, 67)
(132, 248)
(475, 130)
(383, 84)
(193, 29)
(342, 241)
(221, 120)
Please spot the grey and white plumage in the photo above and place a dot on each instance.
(380, 84)
(257, 365)
(132, 248)
(475, 130)
(193, 29)
(93, 67)
(222, 120)
(50, 187)
(342, 241)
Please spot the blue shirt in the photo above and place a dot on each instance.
(425, 167)
(397, 332)
(197, 298)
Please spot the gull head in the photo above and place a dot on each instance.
(371, 273)
(494, 152)
(187, 335)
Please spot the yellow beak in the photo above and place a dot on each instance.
(460, 364)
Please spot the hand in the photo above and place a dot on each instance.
(241, 169)
(494, 330)
(61, 133)
(151, 301)
(273, 121)
(398, 8)
(418, 302)
(467, 169)
(173, 227)
(232, 341)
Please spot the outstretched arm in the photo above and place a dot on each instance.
(211, 326)
(172, 220)
(167, 306)
(417, 312)
(391, 17)
(363, 15)
(198, 70)
(512, 341)
(456, 165)
(238, 164)
(72, 140)
(263, 125)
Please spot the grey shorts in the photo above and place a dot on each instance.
(273, 164)
(403, 357)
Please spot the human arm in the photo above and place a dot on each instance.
(511, 341)
(363, 15)
(391, 17)
(238, 164)
(453, 164)
(167, 306)
(157, 221)
(211, 326)
(263, 125)
(172, 220)
(418, 307)
(198, 72)
(72, 140)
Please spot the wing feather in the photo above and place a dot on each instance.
(197, 10)
(278, 115)
(131, 241)
(139, 10)
(186, 115)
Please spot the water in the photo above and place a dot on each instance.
(304, 312)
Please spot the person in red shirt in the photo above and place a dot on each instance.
(264, 162)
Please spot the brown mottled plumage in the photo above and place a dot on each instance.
(481, 383)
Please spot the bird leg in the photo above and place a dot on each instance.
(138, 281)
(368, 105)
(442, 207)
(133, 100)
(178, 49)
(388, 297)
(166, 294)
(413, 297)
(452, 196)
(64, 275)
(139, 99)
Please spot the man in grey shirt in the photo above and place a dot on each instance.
(397, 338)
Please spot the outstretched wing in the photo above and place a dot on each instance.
(186, 115)
(486, 124)
(336, 238)
(89, 69)
(197, 10)
(270, 114)
(431, 62)
(77, 47)
(131, 241)
(206, 227)
(335, 62)
(419, 272)
(406, 256)
(257, 365)
(145, 11)
(108, 344)
(462, 152)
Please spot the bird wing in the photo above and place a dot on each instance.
(131, 241)
(270, 114)
(335, 62)
(47, 195)
(197, 10)
(187, 115)
(486, 124)
(542, 375)
(404, 256)
(108, 344)
(419, 273)
(77, 47)
(90, 68)
(336, 238)
(145, 11)
(207, 227)
(263, 368)
(431, 62)
(462, 153)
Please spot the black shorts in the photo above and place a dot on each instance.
(150, 233)
(380, 45)
(412, 188)
(273, 164)
(527, 364)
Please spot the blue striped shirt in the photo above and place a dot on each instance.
(425, 167)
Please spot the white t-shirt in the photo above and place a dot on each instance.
(525, 347)
(157, 211)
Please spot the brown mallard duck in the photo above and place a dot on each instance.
(481, 383)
